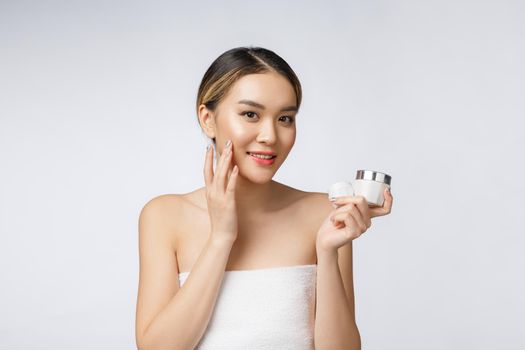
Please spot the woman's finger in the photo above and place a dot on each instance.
(223, 167)
(232, 181)
(351, 228)
(349, 199)
(352, 233)
(364, 210)
(208, 166)
(351, 210)
(219, 158)
(361, 203)
(386, 208)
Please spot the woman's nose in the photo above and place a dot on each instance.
(267, 132)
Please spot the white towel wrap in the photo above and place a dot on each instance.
(270, 309)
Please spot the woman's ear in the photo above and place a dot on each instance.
(207, 121)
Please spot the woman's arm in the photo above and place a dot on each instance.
(169, 317)
(335, 326)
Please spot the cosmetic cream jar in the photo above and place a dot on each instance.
(368, 183)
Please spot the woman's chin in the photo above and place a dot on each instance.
(259, 178)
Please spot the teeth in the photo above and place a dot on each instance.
(261, 156)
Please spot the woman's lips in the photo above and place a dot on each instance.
(261, 160)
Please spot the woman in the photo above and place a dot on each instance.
(246, 262)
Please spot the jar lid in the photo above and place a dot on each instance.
(373, 175)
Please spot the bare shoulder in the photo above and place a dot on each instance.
(163, 202)
(164, 213)
(162, 207)
(316, 204)
(158, 266)
(312, 207)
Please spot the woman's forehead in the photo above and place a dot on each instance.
(270, 90)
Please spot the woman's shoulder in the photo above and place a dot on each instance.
(159, 213)
(172, 204)
(163, 203)
(317, 204)
(313, 204)
(310, 209)
(179, 203)
(318, 199)
(166, 215)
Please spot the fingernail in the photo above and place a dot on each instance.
(208, 148)
(228, 143)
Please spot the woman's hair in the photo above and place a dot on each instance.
(236, 63)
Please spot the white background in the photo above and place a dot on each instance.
(97, 117)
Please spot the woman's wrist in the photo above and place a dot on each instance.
(221, 242)
(326, 253)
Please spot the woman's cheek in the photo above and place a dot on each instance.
(239, 133)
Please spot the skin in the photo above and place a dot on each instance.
(256, 130)
(258, 199)
(241, 220)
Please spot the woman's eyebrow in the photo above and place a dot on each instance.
(258, 105)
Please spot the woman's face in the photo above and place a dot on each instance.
(258, 115)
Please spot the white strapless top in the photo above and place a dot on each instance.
(271, 308)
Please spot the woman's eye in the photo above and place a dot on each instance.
(252, 115)
(248, 114)
(290, 119)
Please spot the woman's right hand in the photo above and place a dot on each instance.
(220, 194)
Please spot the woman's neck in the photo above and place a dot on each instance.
(252, 197)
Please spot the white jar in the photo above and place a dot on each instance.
(368, 183)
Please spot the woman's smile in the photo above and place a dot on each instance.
(262, 159)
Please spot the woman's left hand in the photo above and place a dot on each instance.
(349, 221)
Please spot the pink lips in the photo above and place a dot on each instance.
(266, 153)
(263, 161)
